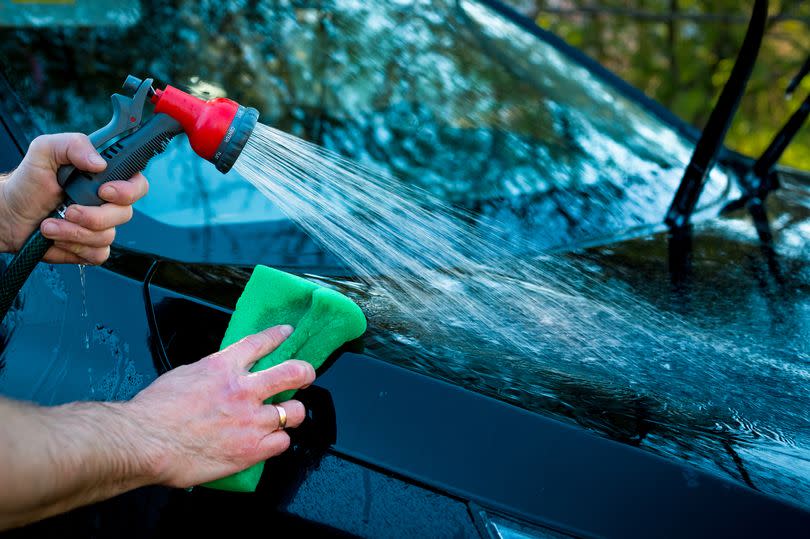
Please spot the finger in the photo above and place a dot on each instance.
(295, 414)
(292, 374)
(64, 231)
(274, 444)
(92, 256)
(51, 151)
(57, 255)
(127, 192)
(99, 218)
(252, 348)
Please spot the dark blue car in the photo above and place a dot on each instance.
(697, 426)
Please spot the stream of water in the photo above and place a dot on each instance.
(439, 278)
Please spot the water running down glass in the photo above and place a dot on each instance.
(444, 279)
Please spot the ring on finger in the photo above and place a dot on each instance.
(282, 416)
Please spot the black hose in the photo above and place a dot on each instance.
(124, 158)
(20, 268)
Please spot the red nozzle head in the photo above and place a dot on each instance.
(217, 129)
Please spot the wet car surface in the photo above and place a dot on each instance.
(497, 153)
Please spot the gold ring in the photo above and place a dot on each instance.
(282, 416)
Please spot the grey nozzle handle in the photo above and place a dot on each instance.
(125, 157)
(126, 116)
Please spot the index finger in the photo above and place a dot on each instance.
(252, 348)
(125, 192)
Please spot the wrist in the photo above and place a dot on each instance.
(5, 221)
(150, 456)
(109, 438)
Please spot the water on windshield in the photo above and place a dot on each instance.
(469, 301)
(514, 148)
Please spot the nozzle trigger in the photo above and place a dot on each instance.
(126, 117)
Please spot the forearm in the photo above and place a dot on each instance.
(54, 459)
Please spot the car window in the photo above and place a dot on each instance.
(446, 95)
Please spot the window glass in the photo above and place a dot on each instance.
(446, 95)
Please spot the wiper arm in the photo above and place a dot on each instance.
(782, 140)
(785, 135)
(713, 135)
(760, 180)
(795, 81)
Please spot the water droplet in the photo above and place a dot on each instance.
(84, 289)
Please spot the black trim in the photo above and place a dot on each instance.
(532, 467)
(156, 343)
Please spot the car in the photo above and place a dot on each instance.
(407, 435)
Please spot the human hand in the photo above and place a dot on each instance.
(208, 420)
(31, 193)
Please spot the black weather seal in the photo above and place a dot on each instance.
(162, 363)
(713, 135)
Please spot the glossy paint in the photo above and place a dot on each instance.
(368, 462)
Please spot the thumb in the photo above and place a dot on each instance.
(66, 149)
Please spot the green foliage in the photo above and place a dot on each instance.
(681, 52)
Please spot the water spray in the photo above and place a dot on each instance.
(217, 130)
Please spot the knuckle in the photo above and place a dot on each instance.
(283, 442)
(94, 221)
(292, 371)
(109, 236)
(252, 344)
(245, 451)
(296, 411)
(99, 256)
(76, 234)
(76, 139)
(217, 359)
(40, 142)
(238, 388)
(301, 369)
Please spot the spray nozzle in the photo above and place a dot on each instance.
(217, 129)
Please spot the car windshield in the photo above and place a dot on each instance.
(500, 119)
(450, 96)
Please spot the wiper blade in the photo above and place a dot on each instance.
(782, 140)
(795, 81)
(713, 135)
(760, 180)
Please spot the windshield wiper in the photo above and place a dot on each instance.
(713, 135)
(795, 81)
(761, 179)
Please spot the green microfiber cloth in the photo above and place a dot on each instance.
(322, 319)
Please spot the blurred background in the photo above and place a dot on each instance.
(681, 52)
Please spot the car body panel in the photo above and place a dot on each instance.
(375, 461)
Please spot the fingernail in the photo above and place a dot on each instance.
(49, 227)
(96, 159)
(285, 330)
(107, 191)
